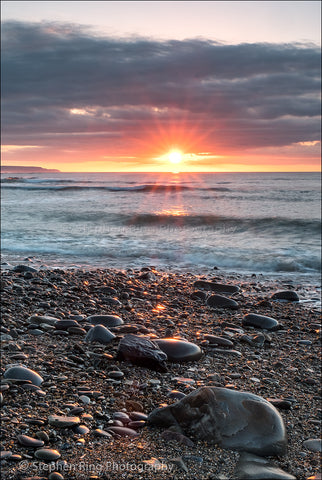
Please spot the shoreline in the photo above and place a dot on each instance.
(155, 304)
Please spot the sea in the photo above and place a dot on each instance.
(268, 223)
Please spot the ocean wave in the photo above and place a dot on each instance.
(154, 188)
(270, 226)
(260, 224)
(136, 252)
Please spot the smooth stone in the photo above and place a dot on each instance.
(76, 330)
(106, 320)
(111, 301)
(252, 467)
(288, 295)
(29, 441)
(280, 403)
(81, 429)
(198, 295)
(123, 431)
(260, 321)
(23, 373)
(55, 476)
(116, 374)
(98, 432)
(23, 269)
(42, 436)
(179, 351)
(65, 324)
(137, 416)
(5, 337)
(313, 444)
(216, 287)
(36, 332)
(256, 340)
(99, 334)
(219, 301)
(47, 454)
(141, 351)
(232, 419)
(176, 394)
(226, 351)
(136, 424)
(122, 416)
(107, 290)
(63, 421)
(39, 319)
(214, 340)
(85, 399)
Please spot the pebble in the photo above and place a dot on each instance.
(287, 295)
(219, 301)
(215, 287)
(179, 351)
(43, 319)
(26, 441)
(63, 421)
(98, 432)
(280, 403)
(106, 320)
(85, 399)
(313, 444)
(256, 340)
(214, 340)
(117, 374)
(123, 431)
(47, 454)
(176, 394)
(65, 324)
(23, 373)
(260, 321)
(55, 476)
(141, 351)
(99, 334)
(81, 429)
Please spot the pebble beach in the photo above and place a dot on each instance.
(74, 407)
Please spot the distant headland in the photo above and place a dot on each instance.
(20, 169)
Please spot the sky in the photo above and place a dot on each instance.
(117, 86)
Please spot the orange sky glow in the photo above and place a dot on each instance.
(91, 100)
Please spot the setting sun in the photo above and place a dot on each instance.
(175, 156)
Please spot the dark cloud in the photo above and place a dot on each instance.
(63, 85)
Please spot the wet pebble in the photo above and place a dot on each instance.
(26, 441)
(179, 351)
(62, 421)
(218, 301)
(99, 334)
(47, 454)
(260, 321)
(23, 373)
(105, 320)
(313, 444)
(287, 295)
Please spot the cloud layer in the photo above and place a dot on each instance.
(66, 88)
